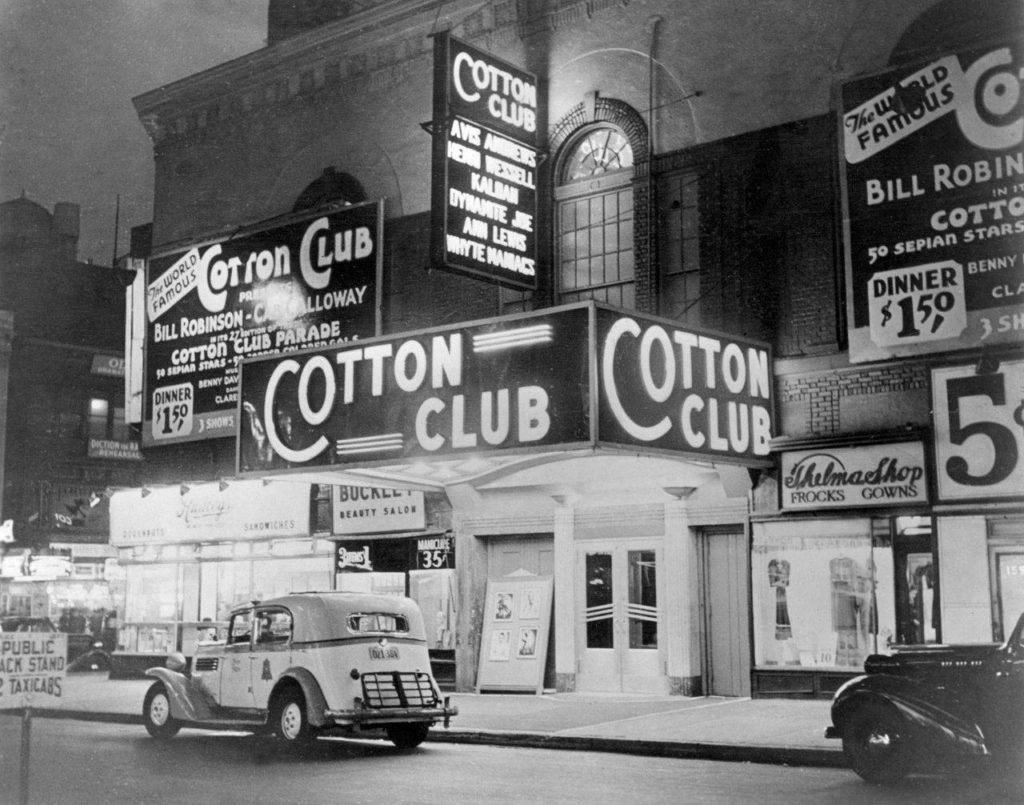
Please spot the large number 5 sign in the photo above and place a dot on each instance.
(979, 431)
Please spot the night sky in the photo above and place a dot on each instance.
(68, 72)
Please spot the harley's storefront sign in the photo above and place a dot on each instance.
(873, 475)
(582, 375)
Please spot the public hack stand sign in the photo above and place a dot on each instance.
(514, 638)
(33, 667)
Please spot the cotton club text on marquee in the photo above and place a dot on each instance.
(575, 376)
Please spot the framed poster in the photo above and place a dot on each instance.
(514, 643)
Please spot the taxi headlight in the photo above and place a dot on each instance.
(176, 662)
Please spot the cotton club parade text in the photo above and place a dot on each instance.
(659, 386)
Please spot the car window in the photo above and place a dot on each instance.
(240, 629)
(275, 627)
(377, 622)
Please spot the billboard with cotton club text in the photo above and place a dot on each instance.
(933, 199)
(485, 160)
(582, 375)
(309, 281)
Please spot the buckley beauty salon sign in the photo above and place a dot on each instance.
(872, 475)
(376, 510)
(485, 159)
(576, 376)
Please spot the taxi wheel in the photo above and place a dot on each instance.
(156, 713)
(875, 743)
(288, 719)
(407, 736)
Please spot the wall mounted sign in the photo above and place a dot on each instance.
(376, 510)
(239, 510)
(428, 552)
(485, 160)
(108, 365)
(522, 383)
(871, 475)
(305, 283)
(979, 431)
(932, 174)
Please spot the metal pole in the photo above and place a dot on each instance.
(26, 743)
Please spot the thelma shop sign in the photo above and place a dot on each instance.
(873, 475)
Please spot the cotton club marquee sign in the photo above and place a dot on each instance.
(581, 375)
(485, 158)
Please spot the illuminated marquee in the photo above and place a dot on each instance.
(518, 383)
(484, 202)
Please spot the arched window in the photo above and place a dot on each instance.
(331, 186)
(594, 218)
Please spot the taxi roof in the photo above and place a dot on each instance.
(324, 615)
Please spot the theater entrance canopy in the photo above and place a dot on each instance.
(476, 401)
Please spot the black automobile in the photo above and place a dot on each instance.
(932, 709)
(86, 652)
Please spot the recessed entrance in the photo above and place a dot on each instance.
(620, 622)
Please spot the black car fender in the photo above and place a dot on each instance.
(931, 726)
(316, 702)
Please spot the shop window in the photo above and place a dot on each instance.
(679, 248)
(1007, 569)
(594, 219)
(823, 594)
(915, 576)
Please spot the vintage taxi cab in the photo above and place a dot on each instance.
(305, 665)
(934, 709)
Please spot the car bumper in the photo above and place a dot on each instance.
(366, 717)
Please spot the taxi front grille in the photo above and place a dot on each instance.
(398, 689)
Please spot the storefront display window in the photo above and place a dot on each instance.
(823, 594)
(397, 571)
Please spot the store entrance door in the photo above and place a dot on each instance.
(618, 618)
(726, 632)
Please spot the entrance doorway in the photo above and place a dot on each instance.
(619, 621)
(724, 597)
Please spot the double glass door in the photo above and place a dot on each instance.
(619, 625)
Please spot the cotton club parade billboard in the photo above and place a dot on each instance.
(307, 282)
(581, 375)
(933, 173)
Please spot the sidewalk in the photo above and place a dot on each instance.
(778, 731)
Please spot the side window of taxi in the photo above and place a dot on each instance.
(240, 628)
(275, 627)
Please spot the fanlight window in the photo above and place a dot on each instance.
(599, 152)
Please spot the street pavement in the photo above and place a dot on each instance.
(781, 731)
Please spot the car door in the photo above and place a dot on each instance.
(272, 650)
(236, 670)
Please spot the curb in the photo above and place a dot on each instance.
(691, 750)
(686, 750)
